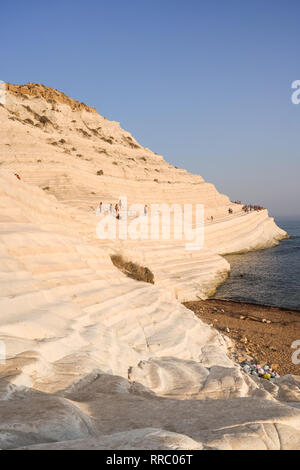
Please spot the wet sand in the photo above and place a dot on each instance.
(260, 333)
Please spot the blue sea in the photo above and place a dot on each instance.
(267, 277)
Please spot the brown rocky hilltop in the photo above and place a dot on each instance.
(52, 96)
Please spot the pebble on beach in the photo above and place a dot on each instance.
(262, 371)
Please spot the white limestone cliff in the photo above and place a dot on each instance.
(60, 145)
(95, 359)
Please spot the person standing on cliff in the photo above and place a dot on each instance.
(117, 211)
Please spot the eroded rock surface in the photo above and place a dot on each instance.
(96, 360)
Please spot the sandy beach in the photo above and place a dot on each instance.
(262, 333)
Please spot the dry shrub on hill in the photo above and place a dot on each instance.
(133, 270)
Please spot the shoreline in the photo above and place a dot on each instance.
(214, 291)
(285, 309)
(260, 333)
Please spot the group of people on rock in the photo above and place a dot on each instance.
(245, 208)
(236, 202)
(250, 208)
(116, 209)
(110, 209)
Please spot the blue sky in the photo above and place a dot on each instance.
(206, 84)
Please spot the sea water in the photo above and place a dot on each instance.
(267, 277)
